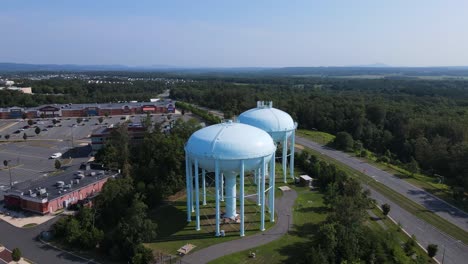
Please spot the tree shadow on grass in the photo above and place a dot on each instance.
(305, 230)
(295, 252)
(318, 210)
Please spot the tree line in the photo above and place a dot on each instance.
(61, 91)
(417, 123)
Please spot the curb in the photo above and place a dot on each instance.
(68, 252)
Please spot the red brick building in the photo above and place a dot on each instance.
(55, 193)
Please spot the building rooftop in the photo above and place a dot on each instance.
(160, 103)
(55, 186)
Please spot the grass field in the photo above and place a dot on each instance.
(317, 136)
(175, 231)
(309, 212)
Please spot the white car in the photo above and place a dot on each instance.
(56, 155)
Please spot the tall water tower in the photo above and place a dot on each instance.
(278, 124)
(229, 149)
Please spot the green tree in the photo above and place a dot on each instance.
(37, 130)
(57, 164)
(385, 209)
(79, 120)
(344, 141)
(413, 166)
(106, 114)
(410, 246)
(432, 250)
(142, 255)
(7, 136)
(24, 116)
(16, 254)
(25, 136)
(30, 122)
(54, 121)
(100, 119)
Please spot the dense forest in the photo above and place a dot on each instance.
(59, 91)
(409, 122)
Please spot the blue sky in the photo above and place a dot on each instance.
(239, 33)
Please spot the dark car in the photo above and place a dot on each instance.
(50, 126)
(26, 127)
(45, 129)
(17, 132)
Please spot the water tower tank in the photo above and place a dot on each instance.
(275, 122)
(227, 149)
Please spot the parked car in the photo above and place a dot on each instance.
(17, 132)
(45, 129)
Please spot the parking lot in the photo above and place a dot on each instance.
(30, 159)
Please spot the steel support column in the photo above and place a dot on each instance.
(241, 199)
(197, 195)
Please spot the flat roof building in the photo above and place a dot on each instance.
(50, 194)
(96, 109)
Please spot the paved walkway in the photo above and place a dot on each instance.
(284, 205)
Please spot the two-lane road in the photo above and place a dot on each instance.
(455, 251)
(416, 194)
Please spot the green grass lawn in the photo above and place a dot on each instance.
(309, 212)
(317, 136)
(175, 231)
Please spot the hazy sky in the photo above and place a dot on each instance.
(235, 33)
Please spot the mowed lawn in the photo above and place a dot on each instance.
(309, 212)
(174, 231)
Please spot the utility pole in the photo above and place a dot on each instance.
(7, 164)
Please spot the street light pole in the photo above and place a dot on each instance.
(7, 164)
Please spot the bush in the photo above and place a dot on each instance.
(16, 254)
(344, 141)
(385, 209)
(432, 250)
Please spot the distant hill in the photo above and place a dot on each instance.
(377, 69)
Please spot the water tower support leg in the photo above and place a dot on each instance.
(222, 187)
(217, 181)
(262, 216)
(291, 157)
(259, 185)
(285, 158)
(197, 195)
(241, 199)
(187, 179)
(192, 196)
(204, 186)
(271, 195)
(255, 176)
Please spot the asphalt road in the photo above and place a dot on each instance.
(26, 240)
(416, 194)
(283, 206)
(455, 251)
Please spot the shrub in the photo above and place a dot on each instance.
(16, 254)
(432, 250)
